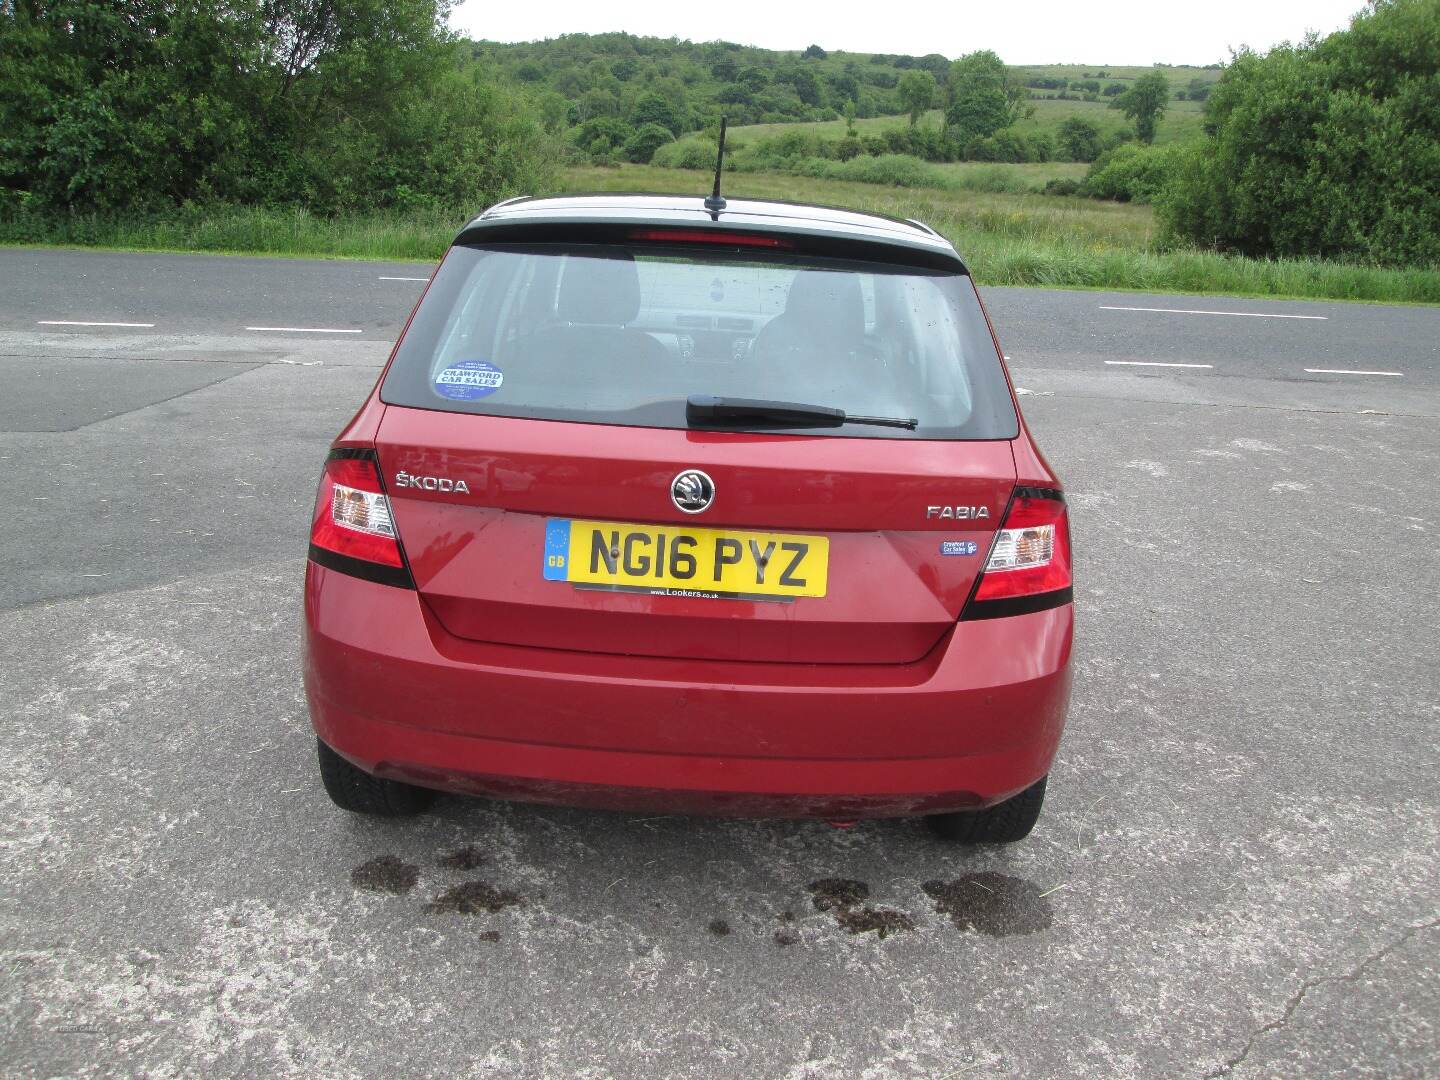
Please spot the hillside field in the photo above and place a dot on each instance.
(1179, 76)
(1182, 121)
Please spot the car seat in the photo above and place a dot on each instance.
(598, 297)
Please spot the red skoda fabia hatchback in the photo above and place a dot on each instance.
(669, 509)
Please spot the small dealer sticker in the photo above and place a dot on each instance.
(468, 380)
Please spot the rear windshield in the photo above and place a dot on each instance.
(624, 335)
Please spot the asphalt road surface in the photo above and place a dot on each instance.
(1235, 874)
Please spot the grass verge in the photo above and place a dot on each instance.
(1008, 239)
(418, 235)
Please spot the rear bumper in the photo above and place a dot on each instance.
(971, 724)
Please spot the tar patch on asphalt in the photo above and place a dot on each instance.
(833, 893)
(465, 858)
(474, 897)
(385, 874)
(993, 904)
(844, 899)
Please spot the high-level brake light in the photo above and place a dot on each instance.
(710, 236)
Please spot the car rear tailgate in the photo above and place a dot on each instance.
(899, 572)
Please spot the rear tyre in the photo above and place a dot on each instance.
(353, 789)
(1003, 823)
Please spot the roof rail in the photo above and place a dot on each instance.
(505, 202)
(921, 226)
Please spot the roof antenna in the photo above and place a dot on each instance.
(715, 203)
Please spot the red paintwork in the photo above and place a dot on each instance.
(975, 721)
(873, 701)
(476, 557)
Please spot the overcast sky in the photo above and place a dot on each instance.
(1094, 32)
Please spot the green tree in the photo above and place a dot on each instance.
(935, 63)
(843, 87)
(807, 86)
(1329, 148)
(1145, 103)
(641, 146)
(734, 94)
(982, 97)
(602, 137)
(1079, 139)
(554, 111)
(917, 91)
(595, 103)
(753, 79)
(570, 81)
(122, 106)
(656, 108)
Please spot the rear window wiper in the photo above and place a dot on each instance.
(709, 409)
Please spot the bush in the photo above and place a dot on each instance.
(789, 146)
(688, 154)
(1330, 148)
(1116, 138)
(993, 179)
(1063, 186)
(602, 139)
(655, 108)
(641, 146)
(1009, 145)
(875, 145)
(1080, 139)
(894, 170)
(1132, 172)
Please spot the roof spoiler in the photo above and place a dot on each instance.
(504, 202)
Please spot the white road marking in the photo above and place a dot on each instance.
(384, 278)
(1154, 363)
(303, 330)
(71, 322)
(1348, 371)
(1188, 311)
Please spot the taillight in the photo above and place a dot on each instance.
(353, 530)
(1029, 564)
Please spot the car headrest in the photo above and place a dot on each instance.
(829, 304)
(600, 289)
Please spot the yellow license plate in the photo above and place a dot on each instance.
(672, 560)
